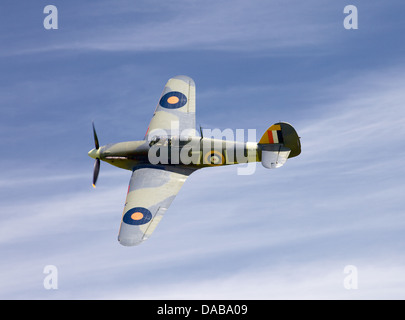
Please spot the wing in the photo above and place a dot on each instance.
(151, 191)
(175, 112)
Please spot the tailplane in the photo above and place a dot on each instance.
(279, 143)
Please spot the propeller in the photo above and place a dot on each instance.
(201, 133)
(96, 169)
(97, 145)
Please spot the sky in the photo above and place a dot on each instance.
(288, 233)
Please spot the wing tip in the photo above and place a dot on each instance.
(186, 79)
(130, 242)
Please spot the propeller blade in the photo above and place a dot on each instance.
(96, 171)
(95, 137)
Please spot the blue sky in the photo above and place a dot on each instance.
(285, 233)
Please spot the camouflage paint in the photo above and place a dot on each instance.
(154, 185)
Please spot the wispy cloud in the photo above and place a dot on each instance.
(185, 25)
(285, 233)
(314, 214)
(363, 119)
(315, 280)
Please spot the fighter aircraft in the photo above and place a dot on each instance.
(172, 149)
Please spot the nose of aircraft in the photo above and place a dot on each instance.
(94, 153)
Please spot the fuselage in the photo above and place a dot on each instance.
(191, 152)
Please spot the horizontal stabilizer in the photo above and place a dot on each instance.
(274, 155)
(279, 143)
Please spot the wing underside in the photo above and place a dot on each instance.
(152, 188)
(151, 191)
(175, 112)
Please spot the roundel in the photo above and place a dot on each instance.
(137, 216)
(173, 100)
(214, 158)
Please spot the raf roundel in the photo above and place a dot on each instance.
(214, 158)
(137, 216)
(173, 100)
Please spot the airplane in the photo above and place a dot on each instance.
(172, 149)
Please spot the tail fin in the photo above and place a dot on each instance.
(279, 143)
